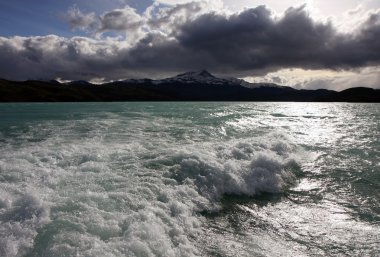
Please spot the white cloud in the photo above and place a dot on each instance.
(215, 3)
(126, 19)
(78, 20)
(51, 56)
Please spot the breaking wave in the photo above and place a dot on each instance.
(245, 173)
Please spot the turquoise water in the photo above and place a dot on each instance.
(190, 179)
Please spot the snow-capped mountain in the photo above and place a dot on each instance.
(202, 77)
(198, 77)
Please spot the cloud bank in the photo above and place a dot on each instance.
(170, 39)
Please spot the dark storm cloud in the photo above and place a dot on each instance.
(253, 42)
(247, 43)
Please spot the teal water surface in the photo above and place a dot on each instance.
(189, 179)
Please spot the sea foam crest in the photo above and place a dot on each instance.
(244, 171)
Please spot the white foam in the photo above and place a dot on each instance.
(20, 222)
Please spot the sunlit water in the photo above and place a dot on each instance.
(189, 179)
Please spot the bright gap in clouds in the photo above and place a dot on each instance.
(324, 7)
(345, 15)
(322, 79)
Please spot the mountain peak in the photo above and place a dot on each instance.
(205, 73)
(201, 73)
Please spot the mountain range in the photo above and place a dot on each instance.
(189, 86)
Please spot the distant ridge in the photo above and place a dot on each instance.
(189, 86)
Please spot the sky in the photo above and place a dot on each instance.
(308, 44)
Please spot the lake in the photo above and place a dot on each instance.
(189, 179)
